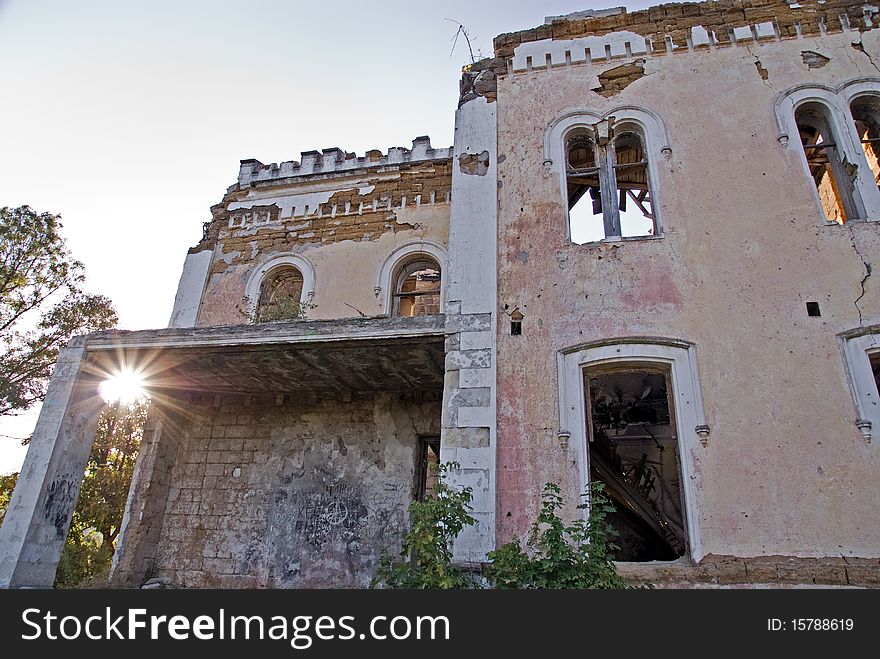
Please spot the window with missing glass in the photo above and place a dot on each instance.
(608, 184)
(417, 288)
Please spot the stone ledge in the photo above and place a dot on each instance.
(762, 572)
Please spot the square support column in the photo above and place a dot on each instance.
(469, 391)
(135, 555)
(39, 515)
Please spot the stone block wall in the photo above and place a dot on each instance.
(757, 572)
(291, 493)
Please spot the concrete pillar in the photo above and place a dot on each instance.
(147, 498)
(39, 514)
(468, 422)
(190, 288)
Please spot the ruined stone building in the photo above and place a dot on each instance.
(646, 260)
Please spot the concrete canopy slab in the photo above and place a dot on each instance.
(295, 357)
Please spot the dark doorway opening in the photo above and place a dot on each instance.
(633, 448)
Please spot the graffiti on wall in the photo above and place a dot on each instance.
(60, 499)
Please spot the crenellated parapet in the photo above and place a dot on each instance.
(337, 161)
(608, 35)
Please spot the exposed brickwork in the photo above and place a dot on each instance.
(676, 20)
(347, 215)
(614, 80)
(721, 571)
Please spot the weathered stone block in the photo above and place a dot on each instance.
(477, 322)
(465, 437)
(475, 397)
(469, 359)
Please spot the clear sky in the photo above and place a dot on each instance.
(129, 118)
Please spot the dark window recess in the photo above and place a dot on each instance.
(417, 289)
(426, 469)
(516, 319)
(813, 309)
(280, 295)
(634, 453)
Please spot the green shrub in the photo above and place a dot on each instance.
(426, 554)
(560, 556)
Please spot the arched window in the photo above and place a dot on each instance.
(280, 295)
(609, 192)
(866, 117)
(417, 288)
(824, 161)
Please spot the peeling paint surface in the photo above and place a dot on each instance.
(743, 245)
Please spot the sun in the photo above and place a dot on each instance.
(124, 387)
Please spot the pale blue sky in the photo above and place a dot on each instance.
(129, 118)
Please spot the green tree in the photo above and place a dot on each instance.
(42, 304)
(578, 555)
(426, 554)
(97, 518)
(7, 484)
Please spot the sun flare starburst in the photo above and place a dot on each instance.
(126, 387)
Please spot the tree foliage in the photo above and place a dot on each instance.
(578, 555)
(426, 555)
(42, 304)
(97, 518)
(7, 484)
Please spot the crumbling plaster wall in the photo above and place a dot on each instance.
(345, 231)
(744, 246)
(301, 493)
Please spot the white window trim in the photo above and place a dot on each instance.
(836, 100)
(408, 252)
(252, 289)
(643, 121)
(857, 351)
(681, 359)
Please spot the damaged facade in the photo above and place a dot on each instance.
(646, 260)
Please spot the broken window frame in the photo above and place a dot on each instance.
(859, 106)
(662, 525)
(603, 137)
(386, 277)
(423, 475)
(261, 272)
(270, 279)
(405, 270)
(817, 116)
(694, 433)
(835, 106)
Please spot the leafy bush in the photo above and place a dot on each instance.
(426, 555)
(556, 556)
(560, 556)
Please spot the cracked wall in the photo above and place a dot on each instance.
(743, 247)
